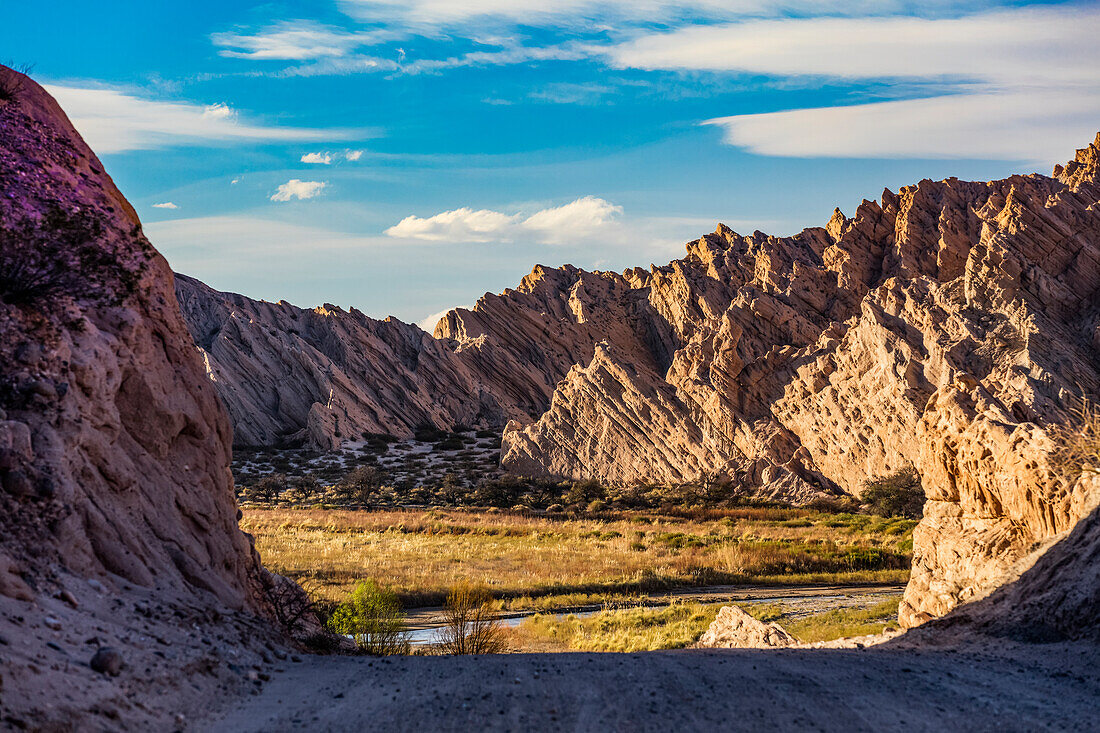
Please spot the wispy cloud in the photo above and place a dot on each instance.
(297, 189)
(571, 93)
(318, 158)
(114, 121)
(1015, 84)
(353, 155)
(574, 12)
(296, 40)
(574, 221)
(165, 205)
(1015, 46)
(1040, 126)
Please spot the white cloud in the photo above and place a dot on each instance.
(165, 205)
(296, 189)
(427, 323)
(580, 219)
(295, 41)
(1014, 84)
(1036, 125)
(353, 155)
(113, 121)
(576, 220)
(1015, 46)
(319, 158)
(459, 225)
(539, 12)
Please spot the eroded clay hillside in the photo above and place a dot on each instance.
(118, 524)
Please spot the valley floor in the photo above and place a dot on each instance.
(1001, 688)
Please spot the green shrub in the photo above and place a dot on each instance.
(372, 617)
(897, 495)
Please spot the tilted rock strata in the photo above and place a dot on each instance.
(324, 375)
(1051, 594)
(114, 449)
(943, 327)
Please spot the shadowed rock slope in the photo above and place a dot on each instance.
(324, 375)
(118, 524)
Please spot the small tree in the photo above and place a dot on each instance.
(360, 486)
(372, 617)
(897, 495)
(268, 488)
(470, 626)
(585, 492)
(305, 487)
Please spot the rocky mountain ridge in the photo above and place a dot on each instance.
(944, 327)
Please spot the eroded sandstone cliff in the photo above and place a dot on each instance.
(118, 523)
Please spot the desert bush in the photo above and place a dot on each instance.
(12, 86)
(372, 617)
(60, 255)
(897, 495)
(292, 605)
(470, 626)
(1078, 443)
(502, 492)
(428, 433)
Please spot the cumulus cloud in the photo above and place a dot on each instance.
(114, 121)
(297, 40)
(319, 158)
(353, 155)
(165, 205)
(579, 219)
(296, 189)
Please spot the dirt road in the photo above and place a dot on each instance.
(1017, 688)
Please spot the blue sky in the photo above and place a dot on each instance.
(406, 157)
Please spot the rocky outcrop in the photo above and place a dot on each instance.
(735, 629)
(114, 450)
(1051, 594)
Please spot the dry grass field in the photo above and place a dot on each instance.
(543, 562)
(680, 624)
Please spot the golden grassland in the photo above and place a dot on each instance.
(535, 561)
(681, 624)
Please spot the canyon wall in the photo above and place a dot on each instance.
(118, 522)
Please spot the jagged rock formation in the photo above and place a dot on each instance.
(114, 450)
(943, 327)
(289, 375)
(735, 629)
